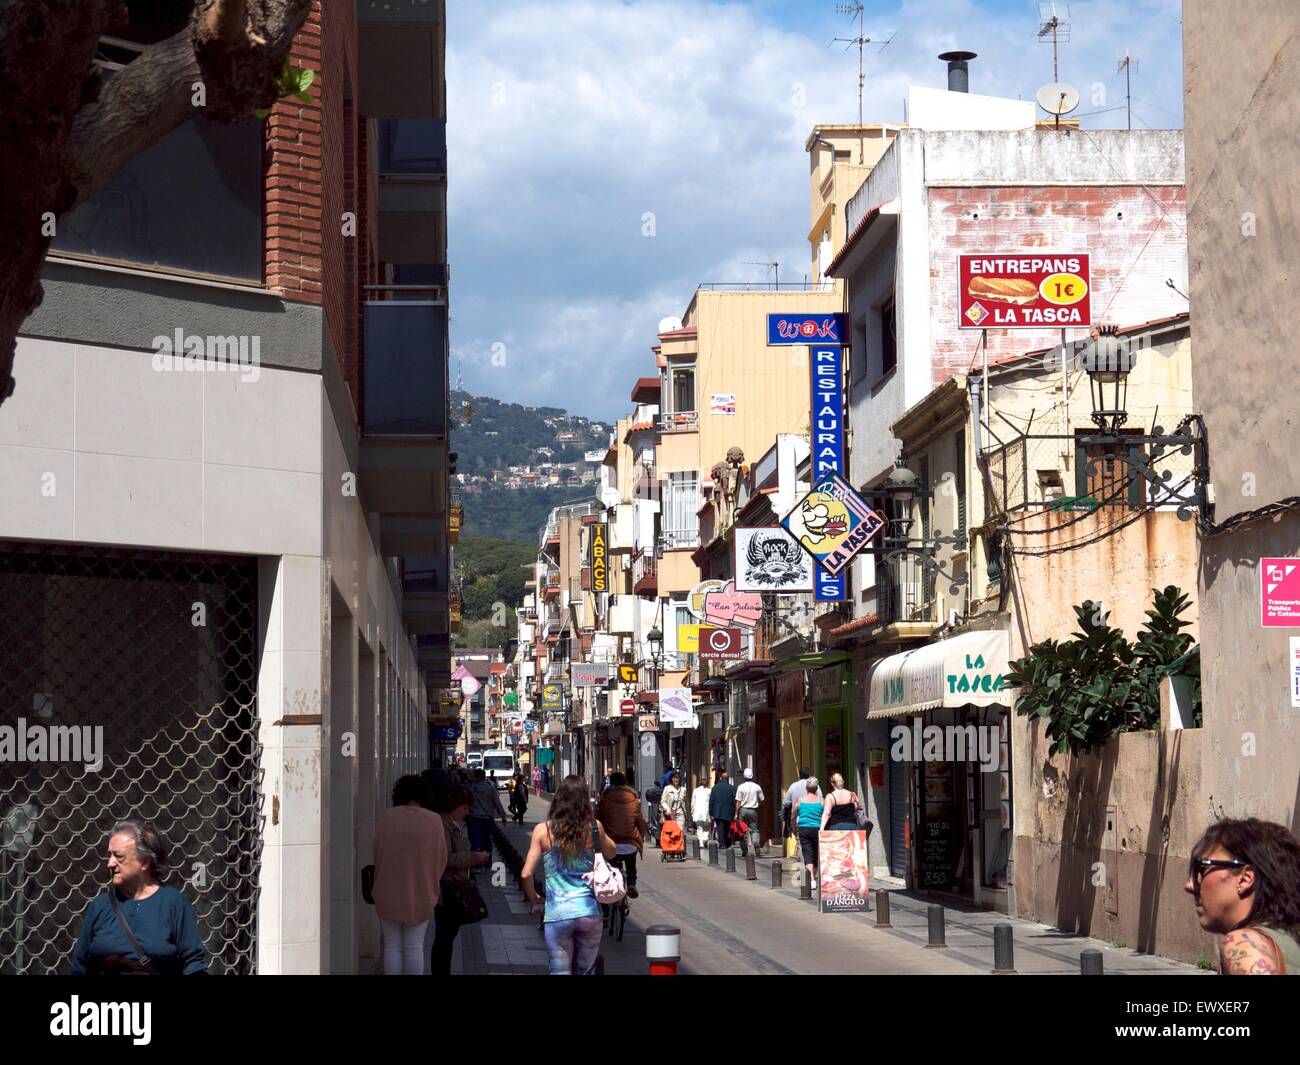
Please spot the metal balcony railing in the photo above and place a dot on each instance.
(674, 539)
(684, 421)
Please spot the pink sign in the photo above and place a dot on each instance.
(726, 607)
(1279, 592)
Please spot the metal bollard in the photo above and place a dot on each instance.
(713, 852)
(1004, 960)
(936, 927)
(1090, 963)
(805, 885)
(731, 859)
(882, 909)
(776, 874)
(750, 872)
(695, 848)
(663, 949)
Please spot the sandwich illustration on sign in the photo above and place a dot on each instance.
(1016, 290)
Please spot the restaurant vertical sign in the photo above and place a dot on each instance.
(825, 336)
(598, 556)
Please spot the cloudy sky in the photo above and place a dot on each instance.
(570, 121)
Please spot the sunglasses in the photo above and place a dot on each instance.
(1201, 866)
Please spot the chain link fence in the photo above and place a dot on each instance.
(145, 662)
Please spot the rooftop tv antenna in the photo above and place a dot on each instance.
(1128, 65)
(1051, 22)
(861, 40)
(771, 265)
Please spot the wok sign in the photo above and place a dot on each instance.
(1023, 290)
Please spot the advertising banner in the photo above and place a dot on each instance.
(552, 697)
(598, 555)
(1024, 290)
(827, 367)
(1279, 590)
(843, 871)
(833, 523)
(722, 403)
(722, 645)
(677, 707)
(719, 603)
(589, 674)
(768, 559)
(807, 329)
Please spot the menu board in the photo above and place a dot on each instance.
(937, 838)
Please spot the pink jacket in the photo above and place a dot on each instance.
(410, 857)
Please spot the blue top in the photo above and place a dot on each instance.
(810, 814)
(164, 923)
(568, 896)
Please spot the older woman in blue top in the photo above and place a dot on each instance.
(160, 919)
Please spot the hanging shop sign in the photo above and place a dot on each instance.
(826, 364)
(1024, 290)
(552, 697)
(647, 723)
(688, 639)
(807, 329)
(1279, 592)
(719, 603)
(788, 689)
(722, 645)
(757, 700)
(627, 674)
(769, 559)
(825, 686)
(598, 555)
(833, 523)
(589, 674)
(677, 707)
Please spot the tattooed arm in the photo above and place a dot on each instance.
(1249, 952)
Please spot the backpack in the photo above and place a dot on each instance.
(606, 880)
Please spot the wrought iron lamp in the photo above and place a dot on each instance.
(901, 489)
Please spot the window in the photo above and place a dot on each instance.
(682, 501)
(683, 390)
(888, 339)
(858, 352)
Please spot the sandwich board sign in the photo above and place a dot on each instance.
(1024, 290)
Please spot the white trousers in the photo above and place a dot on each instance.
(403, 948)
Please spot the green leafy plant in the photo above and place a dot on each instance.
(1120, 944)
(1203, 963)
(1098, 684)
(291, 81)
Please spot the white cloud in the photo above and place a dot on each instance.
(569, 120)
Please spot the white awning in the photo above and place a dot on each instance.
(966, 670)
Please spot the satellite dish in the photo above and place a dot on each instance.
(1058, 98)
(668, 325)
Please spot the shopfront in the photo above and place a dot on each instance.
(798, 748)
(949, 745)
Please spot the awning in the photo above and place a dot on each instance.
(966, 670)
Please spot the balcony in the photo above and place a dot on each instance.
(401, 45)
(686, 421)
(412, 190)
(433, 655)
(456, 517)
(645, 485)
(679, 539)
(552, 588)
(404, 446)
(645, 575)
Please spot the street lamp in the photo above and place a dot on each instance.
(655, 638)
(1108, 360)
(903, 487)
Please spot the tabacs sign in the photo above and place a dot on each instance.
(598, 556)
(832, 523)
(1024, 290)
(806, 329)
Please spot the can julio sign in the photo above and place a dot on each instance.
(598, 556)
(1024, 290)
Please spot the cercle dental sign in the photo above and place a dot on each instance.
(1024, 290)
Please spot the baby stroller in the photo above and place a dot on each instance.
(672, 842)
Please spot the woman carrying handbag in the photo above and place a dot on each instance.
(459, 900)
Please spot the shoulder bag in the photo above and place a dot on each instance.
(860, 812)
(461, 897)
(145, 960)
(606, 880)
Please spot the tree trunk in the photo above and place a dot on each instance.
(65, 130)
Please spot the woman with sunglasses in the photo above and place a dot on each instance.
(1245, 881)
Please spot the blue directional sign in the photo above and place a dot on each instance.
(807, 329)
(446, 733)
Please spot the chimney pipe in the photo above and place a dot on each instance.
(958, 79)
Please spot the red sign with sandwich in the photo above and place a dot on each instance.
(1024, 290)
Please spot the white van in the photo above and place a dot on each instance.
(499, 765)
(474, 760)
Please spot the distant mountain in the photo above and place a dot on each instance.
(548, 448)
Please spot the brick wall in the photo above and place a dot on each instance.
(315, 165)
(1136, 237)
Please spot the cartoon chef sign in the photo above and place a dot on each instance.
(832, 523)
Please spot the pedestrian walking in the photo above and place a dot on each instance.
(620, 813)
(672, 803)
(518, 796)
(722, 808)
(448, 918)
(808, 821)
(793, 794)
(700, 812)
(138, 926)
(1245, 883)
(487, 805)
(564, 845)
(840, 810)
(748, 797)
(410, 859)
